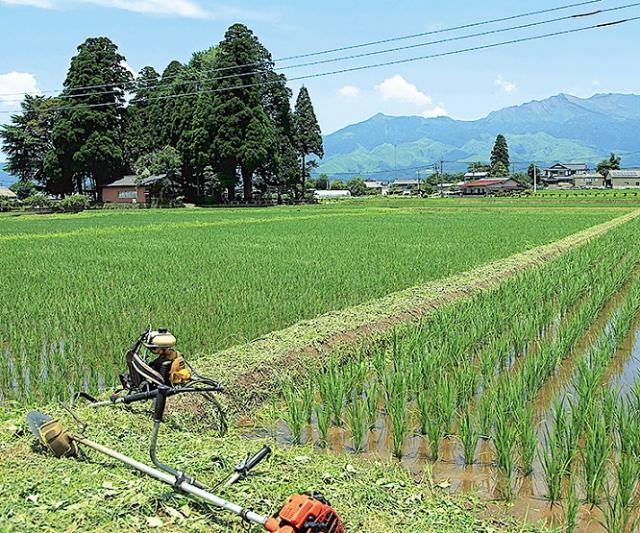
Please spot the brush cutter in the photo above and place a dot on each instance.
(160, 366)
(302, 513)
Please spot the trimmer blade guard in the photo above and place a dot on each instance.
(51, 435)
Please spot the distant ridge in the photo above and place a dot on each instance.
(560, 128)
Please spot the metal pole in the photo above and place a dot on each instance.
(535, 178)
(441, 178)
(246, 514)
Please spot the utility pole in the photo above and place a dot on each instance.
(441, 178)
(395, 161)
(535, 178)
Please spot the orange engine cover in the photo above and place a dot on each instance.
(304, 514)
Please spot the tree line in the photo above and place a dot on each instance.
(235, 128)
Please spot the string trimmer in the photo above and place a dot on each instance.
(302, 513)
(152, 362)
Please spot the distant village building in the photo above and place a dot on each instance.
(130, 190)
(486, 187)
(376, 186)
(335, 194)
(404, 186)
(563, 170)
(624, 179)
(590, 180)
(8, 194)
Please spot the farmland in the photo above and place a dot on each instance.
(515, 384)
(77, 289)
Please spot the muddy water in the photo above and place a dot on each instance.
(451, 474)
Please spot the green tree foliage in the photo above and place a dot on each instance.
(338, 185)
(243, 136)
(23, 189)
(613, 163)
(500, 154)
(28, 137)
(166, 165)
(499, 170)
(308, 133)
(478, 167)
(357, 187)
(322, 182)
(88, 130)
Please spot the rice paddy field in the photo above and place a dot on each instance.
(510, 405)
(77, 289)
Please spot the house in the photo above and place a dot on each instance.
(590, 180)
(130, 190)
(485, 187)
(8, 194)
(375, 186)
(624, 179)
(404, 186)
(329, 195)
(564, 170)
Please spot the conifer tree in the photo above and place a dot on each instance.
(308, 133)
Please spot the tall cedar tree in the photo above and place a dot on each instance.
(87, 141)
(28, 137)
(500, 154)
(144, 122)
(242, 133)
(308, 133)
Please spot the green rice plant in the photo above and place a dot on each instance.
(572, 505)
(610, 408)
(504, 442)
(397, 405)
(446, 394)
(595, 454)
(372, 397)
(357, 422)
(553, 467)
(486, 415)
(527, 438)
(468, 435)
(333, 391)
(306, 397)
(323, 417)
(295, 415)
(424, 410)
(435, 432)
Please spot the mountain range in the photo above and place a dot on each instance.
(562, 128)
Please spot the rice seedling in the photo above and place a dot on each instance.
(295, 415)
(435, 433)
(323, 417)
(397, 409)
(595, 454)
(468, 435)
(372, 397)
(553, 468)
(356, 420)
(504, 441)
(527, 438)
(572, 505)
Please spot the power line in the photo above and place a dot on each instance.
(119, 90)
(360, 67)
(356, 46)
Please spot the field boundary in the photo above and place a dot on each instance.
(252, 371)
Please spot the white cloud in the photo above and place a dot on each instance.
(13, 86)
(180, 8)
(399, 89)
(46, 4)
(133, 71)
(350, 91)
(504, 85)
(437, 111)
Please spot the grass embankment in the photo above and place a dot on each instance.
(78, 288)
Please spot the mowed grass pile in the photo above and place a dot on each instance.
(76, 290)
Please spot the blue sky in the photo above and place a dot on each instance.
(38, 37)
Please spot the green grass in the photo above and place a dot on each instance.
(77, 289)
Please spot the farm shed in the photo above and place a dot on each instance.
(589, 180)
(624, 179)
(490, 186)
(129, 190)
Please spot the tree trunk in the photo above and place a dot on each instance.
(247, 184)
(231, 193)
(304, 174)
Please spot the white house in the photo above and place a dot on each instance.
(328, 195)
(624, 179)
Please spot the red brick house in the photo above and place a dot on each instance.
(129, 190)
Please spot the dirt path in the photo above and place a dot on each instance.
(251, 371)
